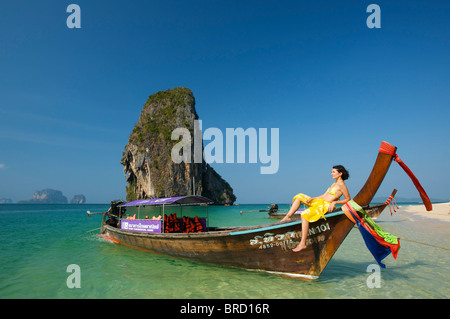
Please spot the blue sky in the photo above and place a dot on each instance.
(69, 98)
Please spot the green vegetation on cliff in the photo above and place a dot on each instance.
(159, 117)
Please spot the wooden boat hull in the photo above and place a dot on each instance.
(266, 248)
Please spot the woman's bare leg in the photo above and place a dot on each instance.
(294, 207)
(305, 228)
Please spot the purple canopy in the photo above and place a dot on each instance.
(180, 200)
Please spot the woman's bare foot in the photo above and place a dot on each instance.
(299, 248)
(285, 219)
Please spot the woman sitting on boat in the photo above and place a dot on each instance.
(320, 205)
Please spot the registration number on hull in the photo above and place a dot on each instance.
(290, 239)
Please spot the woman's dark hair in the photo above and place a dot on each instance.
(341, 169)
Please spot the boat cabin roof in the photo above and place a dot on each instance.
(168, 201)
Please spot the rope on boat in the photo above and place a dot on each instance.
(88, 231)
(422, 243)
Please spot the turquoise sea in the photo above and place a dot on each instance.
(39, 242)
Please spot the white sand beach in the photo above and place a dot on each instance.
(440, 211)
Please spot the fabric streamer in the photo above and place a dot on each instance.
(387, 148)
(379, 242)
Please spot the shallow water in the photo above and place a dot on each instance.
(38, 242)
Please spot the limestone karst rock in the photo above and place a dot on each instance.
(78, 199)
(47, 196)
(149, 169)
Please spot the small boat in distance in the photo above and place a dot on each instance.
(265, 248)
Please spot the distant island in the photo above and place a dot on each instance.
(5, 201)
(46, 196)
(78, 199)
(51, 196)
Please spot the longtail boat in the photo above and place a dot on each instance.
(264, 248)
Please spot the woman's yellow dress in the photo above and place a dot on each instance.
(317, 208)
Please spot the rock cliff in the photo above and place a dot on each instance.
(148, 166)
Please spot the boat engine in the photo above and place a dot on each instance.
(115, 212)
